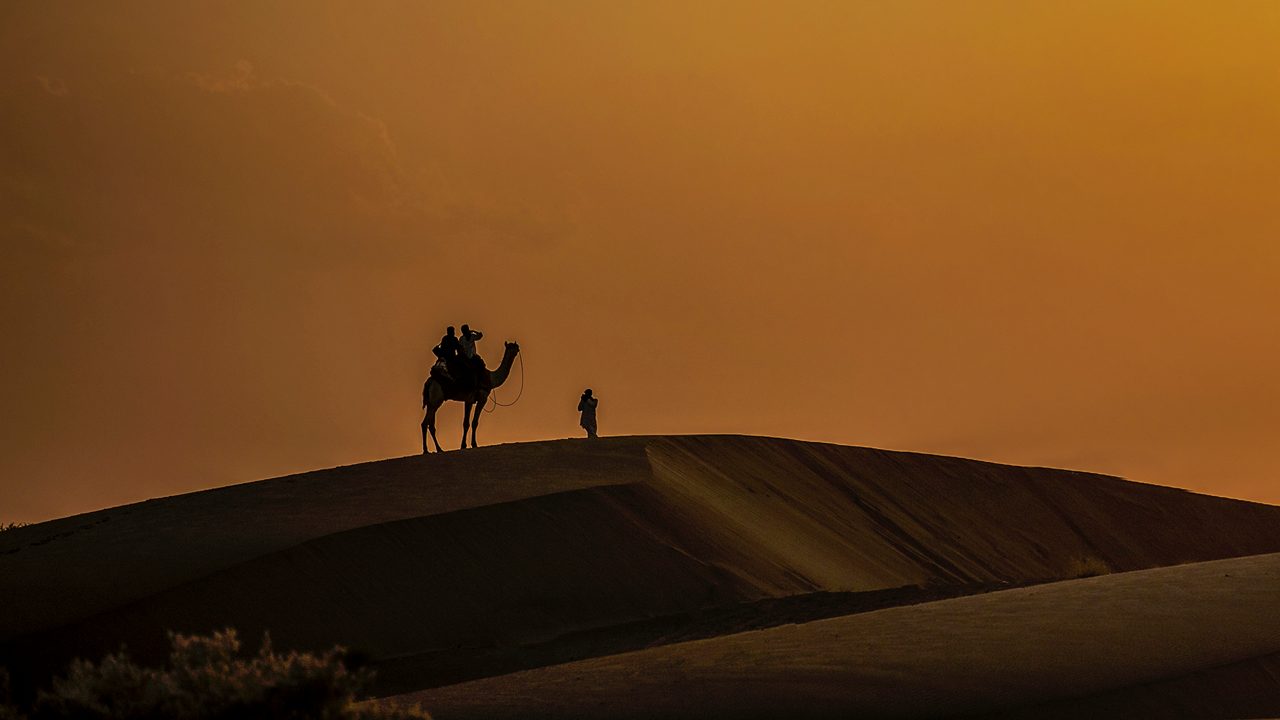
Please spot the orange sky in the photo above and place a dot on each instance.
(1041, 233)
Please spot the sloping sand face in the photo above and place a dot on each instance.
(791, 514)
(473, 564)
(63, 570)
(975, 654)
(1248, 689)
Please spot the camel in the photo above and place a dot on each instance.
(435, 393)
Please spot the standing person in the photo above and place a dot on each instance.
(587, 406)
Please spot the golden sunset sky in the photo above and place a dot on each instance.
(1035, 233)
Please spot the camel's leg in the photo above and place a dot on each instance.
(430, 422)
(424, 434)
(466, 424)
(475, 421)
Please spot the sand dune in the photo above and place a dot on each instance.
(469, 565)
(1247, 689)
(952, 657)
(63, 570)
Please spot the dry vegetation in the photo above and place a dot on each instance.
(7, 710)
(208, 678)
(1084, 566)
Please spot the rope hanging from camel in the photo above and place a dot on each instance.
(493, 394)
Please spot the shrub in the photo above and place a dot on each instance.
(1084, 566)
(206, 678)
(7, 711)
(12, 526)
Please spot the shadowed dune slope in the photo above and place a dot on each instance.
(1248, 689)
(58, 571)
(512, 546)
(1208, 626)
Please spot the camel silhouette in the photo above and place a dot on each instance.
(435, 393)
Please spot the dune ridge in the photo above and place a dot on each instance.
(964, 656)
(63, 570)
(468, 565)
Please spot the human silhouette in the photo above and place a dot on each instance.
(473, 368)
(449, 354)
(587, 406)
(468, 341)
(450, 347)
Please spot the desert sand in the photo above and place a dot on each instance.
(685, 575)
(1071, 639)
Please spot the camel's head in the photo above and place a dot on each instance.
(513, 348)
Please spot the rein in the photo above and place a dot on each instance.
(493, 394)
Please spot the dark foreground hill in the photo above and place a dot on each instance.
(1196, 640)
(443, 569)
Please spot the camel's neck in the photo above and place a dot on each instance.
(499, 376)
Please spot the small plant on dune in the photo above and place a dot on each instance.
(7, 710)
(207, 678)
(12, 526)
(1083, 566)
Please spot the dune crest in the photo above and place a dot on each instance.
(955, 657)
(449, 568)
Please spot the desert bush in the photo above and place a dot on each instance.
(10, 712)
(7, 710)
(207, 678)
(12, 526)
(1084, 566)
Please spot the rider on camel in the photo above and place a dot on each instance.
(448, 353)
(474, 363)
(449, 347)
(458, 361)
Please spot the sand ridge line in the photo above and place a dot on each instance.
(161, 543)
(417, 671)
(517, 546)
(959, 656)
